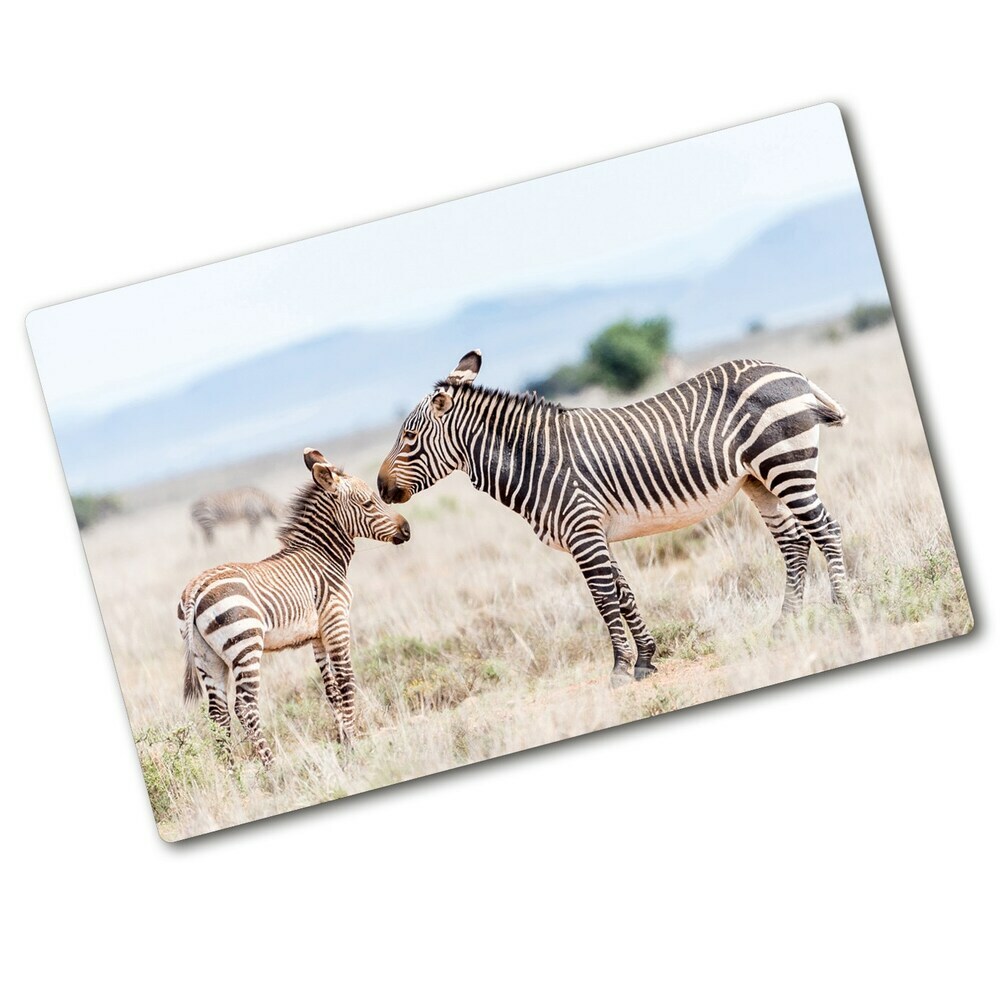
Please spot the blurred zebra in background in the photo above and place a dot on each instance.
(244, 503)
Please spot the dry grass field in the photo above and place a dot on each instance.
(475, 640)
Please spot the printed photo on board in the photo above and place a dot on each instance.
(537, 462)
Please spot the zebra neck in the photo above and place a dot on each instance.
(505, 445)
(311, 526)
(333, 557)
(324, 539)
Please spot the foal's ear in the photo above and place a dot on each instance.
(441, 402)
(466, 370)
(311, 456)
(326, 476)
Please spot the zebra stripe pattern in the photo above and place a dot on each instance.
(586, 477)
(230, 615)
(245, 503)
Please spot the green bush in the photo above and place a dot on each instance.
(622, 356)
(626, 354)
(90, 508)
(932, 586)
(172, 762)
(405, 674)
(865, 315)
(685, 640)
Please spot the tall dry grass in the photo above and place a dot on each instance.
(474, 640)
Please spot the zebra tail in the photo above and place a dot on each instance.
(192, 681)
(827, 409)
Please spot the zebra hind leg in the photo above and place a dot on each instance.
(246, 671)
(791, 538)
(805, 506)
(645, 644)
(825, 532)
(808, 510)
(214, 674)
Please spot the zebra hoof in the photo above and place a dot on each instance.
(619, 678)
(644, 670)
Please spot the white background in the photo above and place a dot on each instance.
(830, 837)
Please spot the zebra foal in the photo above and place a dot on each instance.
(586, 477)
(243, 503)
(231, 614)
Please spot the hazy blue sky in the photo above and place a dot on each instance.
(667, 210)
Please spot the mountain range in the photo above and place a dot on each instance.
(814, 261)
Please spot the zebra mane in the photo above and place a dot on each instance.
(530, 398)
(297, 510)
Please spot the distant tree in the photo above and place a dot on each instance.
(865, 315)
(622, 356)
(90, 508)
(756, 326)
(626, 354)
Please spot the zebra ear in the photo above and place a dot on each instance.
(311, 456)
(441, 402)
(466, 370)
(326, 476)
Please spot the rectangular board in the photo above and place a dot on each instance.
(547, 542)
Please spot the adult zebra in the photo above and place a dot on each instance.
(586, 477)
(228, 616)
(243, 503)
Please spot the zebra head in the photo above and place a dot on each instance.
(357, 507)
(427, 447)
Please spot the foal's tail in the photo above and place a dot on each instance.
(185, 615)
(827, 409)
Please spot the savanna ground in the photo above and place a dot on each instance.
(475, 640)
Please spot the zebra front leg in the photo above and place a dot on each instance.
(791, 539)
(592, 555)
(645, 644)
(338, 673)
(345, 681)
(330, 686)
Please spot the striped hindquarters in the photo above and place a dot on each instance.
(674, 458)
(773, 430)
(227, 615)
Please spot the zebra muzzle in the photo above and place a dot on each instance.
(388, 488)
(391, 493)
(402, 532)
